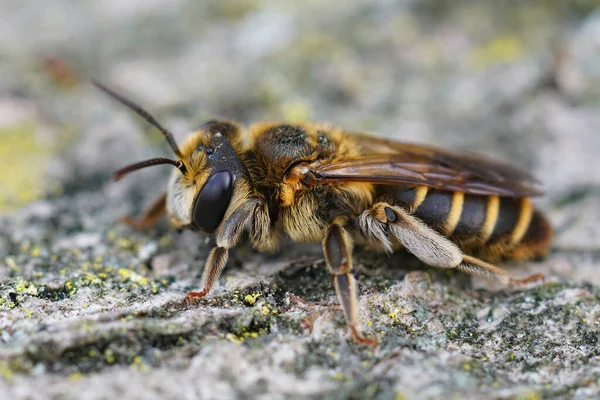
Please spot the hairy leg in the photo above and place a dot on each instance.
(217, 259)
(426, 244)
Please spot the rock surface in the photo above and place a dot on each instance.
(91, 309)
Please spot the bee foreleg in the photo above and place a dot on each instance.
(150, 216)
(337, 247)
(262, 236)
(217, 258)
(227, 236)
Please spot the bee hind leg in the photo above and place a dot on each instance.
(150, 216)
(475, 266)
(337, 247)
(426, 244)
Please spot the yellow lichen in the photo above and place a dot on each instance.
(240, 338)
(91, 279)
(22, 177)
(339, 376)
(70, 287)
(528, 395)
(5, 304)
(21, 286)
(504, 49)
(266, 310)
(125, 244)
(6, 372)
(233, 338)
(394, 315)
(109, 356)
(75, 376)
(138, 363)
(132, 276)
(35, 251)
(251, 298)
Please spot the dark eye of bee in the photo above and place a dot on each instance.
(213, 200)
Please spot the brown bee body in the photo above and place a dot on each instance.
(315, 183)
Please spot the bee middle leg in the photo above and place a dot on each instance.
(337, 248)
(384, 220)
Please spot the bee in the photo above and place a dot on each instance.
(319, 184)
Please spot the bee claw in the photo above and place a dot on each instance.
(192, 298)
(360, 339)
(535, 278)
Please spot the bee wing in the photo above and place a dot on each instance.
(393, 163)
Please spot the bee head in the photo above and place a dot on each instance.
(200, 197)
(201, 189)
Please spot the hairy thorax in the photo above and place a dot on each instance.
(300, 210)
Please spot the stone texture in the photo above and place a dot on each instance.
(91, 309)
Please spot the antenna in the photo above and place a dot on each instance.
(148, 163)
(142, 113)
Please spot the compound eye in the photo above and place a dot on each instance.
(213, 200)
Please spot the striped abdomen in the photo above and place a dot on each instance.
(488, 226)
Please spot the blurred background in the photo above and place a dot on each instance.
(517, 80)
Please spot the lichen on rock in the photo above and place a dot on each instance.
(91, 308)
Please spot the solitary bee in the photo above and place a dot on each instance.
(316, 183)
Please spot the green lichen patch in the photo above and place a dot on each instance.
(22, 177)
